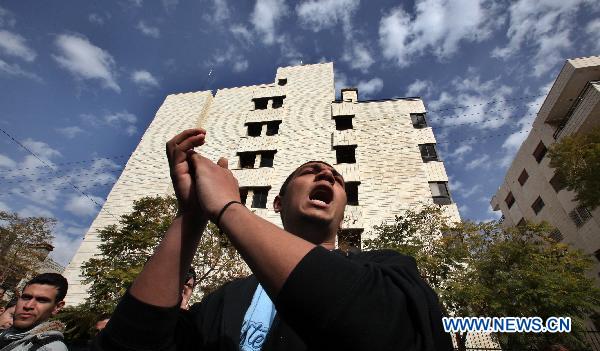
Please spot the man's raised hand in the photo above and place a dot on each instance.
(215, 184)
(183, 181)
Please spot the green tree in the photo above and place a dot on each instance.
(577, 162)
(22, 243)
(484, 269)
(126, 247)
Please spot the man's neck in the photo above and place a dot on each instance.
(314, 234)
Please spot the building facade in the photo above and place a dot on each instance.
(530, 191)
(384, 149)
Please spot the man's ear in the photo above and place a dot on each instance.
(58, 307)
(277, 204)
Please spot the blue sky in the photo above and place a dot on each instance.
(81, 80)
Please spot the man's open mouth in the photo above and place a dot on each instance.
(321, 195)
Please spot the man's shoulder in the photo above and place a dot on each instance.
(238, 285)
(384, 256)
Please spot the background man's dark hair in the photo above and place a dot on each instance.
(191, 273)
(53, 279)
(291, 176)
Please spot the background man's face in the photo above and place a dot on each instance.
(101, 324)
(186, 294)
(315, 193)
(6, 318)
(35, 305)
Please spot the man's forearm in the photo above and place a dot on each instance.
(270, 252)
(161, 280)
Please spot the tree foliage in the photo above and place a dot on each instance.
(577, 162)
(126, 247)
(22, 241)
(485, 269)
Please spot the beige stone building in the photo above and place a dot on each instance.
(530, 192)
(384, 149)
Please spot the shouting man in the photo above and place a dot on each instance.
(303, 295)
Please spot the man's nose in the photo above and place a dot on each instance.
(326, 174)
(29, 305)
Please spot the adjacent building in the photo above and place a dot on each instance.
(530, 191)
(384, 149)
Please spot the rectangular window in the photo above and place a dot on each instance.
(266, 158)
(247, 159)
(243, 195)
(343, 122)
(278, 101)
(261, 103)
(349, 239)
(440, 193)
(259, 200)
(556, 235)
(345, 154)
(428, 152)
(282, 81)
(537, 205)
(523, 177)
(273, 127)
(557, 183)
(254, 129)
(352, 193)
(540, 152)
(510, 200)
(418, 120)
(597, 254)
(580, 215)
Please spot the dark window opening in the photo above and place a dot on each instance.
(523, 177)
(557, 183)
(352, 193)
(522, 223)
(343, 122)
(537, 205)
(345, 154)
(418, 120)
(278, 101)
(556, 235)
(282, 81)
(428, 152)
(259, 200)
(440, 193)
(597, 254)
(540, 152)
(349, 239)
(510, 200)
(580, 216)
(243, 195)
(261, 103)
(273, 127)
(247, 159)
(254, 129)
(266, 158)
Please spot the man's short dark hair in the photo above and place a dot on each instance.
(291, 176)
(53, 279)
(191, 273)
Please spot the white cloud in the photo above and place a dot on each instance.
(241, 32)
(120, 121)
(438, 26)
(358, 56)
(468, 193)
(221, 10)
(418, 87)
(481, 162)
(136, 3)
(96, 18)
(240, 66)
(16, 70)
(7, 162)
(370, 87)
(82, 206)
(41, 149)
(35, 211)
(119, 118)
(458, 153)
(70, 132)
(545, 26)
(7, 19)
(150, 31)
(85, 60)
(67, 238)
(4, 207)
(13, 44)
(592, 29)
(170, 5)
(144, 78)
(265, 16)
(318, 15)
(340, 82)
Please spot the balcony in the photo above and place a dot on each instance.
(343, 137)
(352, 218)
(267, 92)
(343, 109)
(261, 143)
(267, 115)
